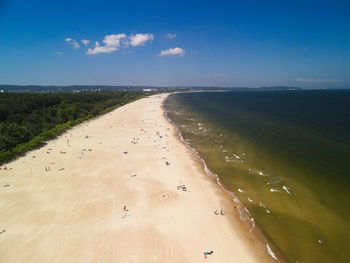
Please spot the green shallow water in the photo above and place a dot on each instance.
(285, 155)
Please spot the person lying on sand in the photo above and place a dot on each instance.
(208, 253)
(222, 212)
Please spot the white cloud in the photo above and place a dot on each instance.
(59, 53)
(140, 39)
(170, 36)
(74, 43)
(112, 43)
(172, 51)
(317, 80)
(85, 42)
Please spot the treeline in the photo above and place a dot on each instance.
(28, 120)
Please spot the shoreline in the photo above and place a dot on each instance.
(241, 213)
(74, 211)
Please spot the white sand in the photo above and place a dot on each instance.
(73, 213)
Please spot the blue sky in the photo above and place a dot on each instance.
(184, 43)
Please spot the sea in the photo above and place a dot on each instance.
(284, 156)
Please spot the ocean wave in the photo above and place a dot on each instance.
(236, 156)
(261, 204)
(286, 188)
(230, 160)
(269, 250)
(262, 173)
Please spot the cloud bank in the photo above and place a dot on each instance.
(172, 52)
(111, 43)
(117, 41)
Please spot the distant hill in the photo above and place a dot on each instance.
(96, 88)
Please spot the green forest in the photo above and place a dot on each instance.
(28, 120)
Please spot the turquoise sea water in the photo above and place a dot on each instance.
(286, 156)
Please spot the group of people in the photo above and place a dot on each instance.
(216, 212)
(134, 140)
(182, 187)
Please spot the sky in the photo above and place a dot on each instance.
(175, 43)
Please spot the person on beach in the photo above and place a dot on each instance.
(206, 253)
(222, 212)
(216, 211)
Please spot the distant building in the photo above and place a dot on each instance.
(149, 89)
(1, 91)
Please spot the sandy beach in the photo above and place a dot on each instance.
(112, 190)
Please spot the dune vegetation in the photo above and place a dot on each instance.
(28, 120)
